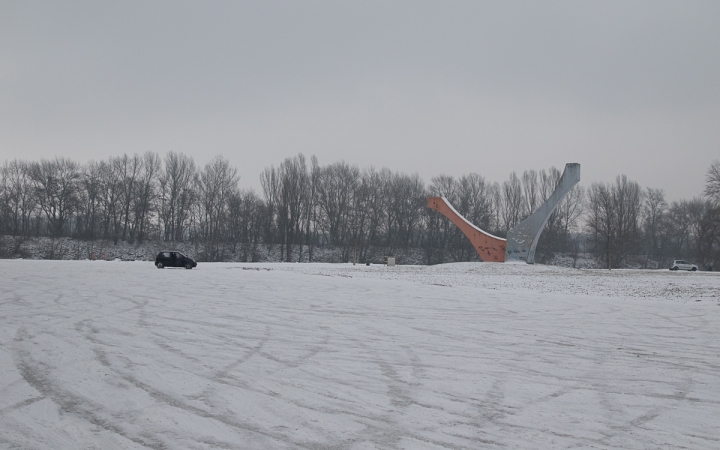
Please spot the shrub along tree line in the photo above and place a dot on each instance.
(304, 205)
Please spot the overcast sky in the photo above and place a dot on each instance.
(430, 87)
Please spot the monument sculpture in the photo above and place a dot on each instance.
(523, 238)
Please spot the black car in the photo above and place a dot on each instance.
(173, 259)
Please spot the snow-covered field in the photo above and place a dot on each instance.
(122, 355)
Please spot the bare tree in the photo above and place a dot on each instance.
(17, 201)
(311, 207)
(654, 210)
(676, 230)
(613, 219)
(337, 184)
(271, 182)
(531, 191)
(495, 193)
(601, 220)
(370, 213)
(444, 186)
(91, 204)
(178, 196)
(571, 209)
(145, 195)
(628, 198)
(217, 184)
(712, 182)
(407, 201)
(128, 168)
(548, 181)
(295, 189)
(111, 199)
(474, 202)
(55, 185)
(707, 239)
(245, 213)
(513, 202)
(440, 233)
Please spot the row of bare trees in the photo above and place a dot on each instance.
(304, 205)
(624, 221)
(343, 206)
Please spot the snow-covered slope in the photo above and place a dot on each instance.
(122, 355)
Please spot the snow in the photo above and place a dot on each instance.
(117, 355)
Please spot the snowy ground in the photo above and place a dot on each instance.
(122, 355)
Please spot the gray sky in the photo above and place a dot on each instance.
(416, 86)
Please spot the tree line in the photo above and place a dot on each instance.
(362, 212)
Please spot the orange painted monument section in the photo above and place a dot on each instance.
(490, 248)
